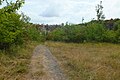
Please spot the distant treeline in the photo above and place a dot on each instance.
(93, 31)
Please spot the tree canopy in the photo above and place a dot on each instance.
(12, 6)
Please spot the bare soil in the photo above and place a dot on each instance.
(44, 66)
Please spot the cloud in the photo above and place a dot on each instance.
(51, 11)
(111, 8)
(58, 11)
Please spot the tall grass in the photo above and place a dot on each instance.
(88, 61)
(14, 64)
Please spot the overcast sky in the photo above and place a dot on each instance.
(72, 11)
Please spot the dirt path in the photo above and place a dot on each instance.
(44, 66)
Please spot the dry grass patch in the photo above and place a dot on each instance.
(88, 61)
(14, 64)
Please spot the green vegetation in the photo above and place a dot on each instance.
(34, 34)
(99, 30)
(88, 61)
(15, 28)
(94, 31)
(18, 38)
(14, 65)
(85, 61)
(10, 25)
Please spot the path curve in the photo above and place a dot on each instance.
(42, 58)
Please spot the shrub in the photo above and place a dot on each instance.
(74, 33)
(110, 36)
(34, 34)
(11, 27)
(57, 35)
(117, 28)
(94, 32)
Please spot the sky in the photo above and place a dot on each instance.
(72, 11)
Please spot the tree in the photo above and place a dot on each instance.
(11, 25)
(12, 6)
(83, 20)
(25, 18)
(1, 1)
(99, 10)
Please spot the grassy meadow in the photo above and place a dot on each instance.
(88, 61)
(85, 51)
(14, 64)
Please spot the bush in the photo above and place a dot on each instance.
(74, 33)
(94, 32)
(34, 34)
(90, 32)
(57, 35)
(11, 27)
(117, 28)
(110, 36)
